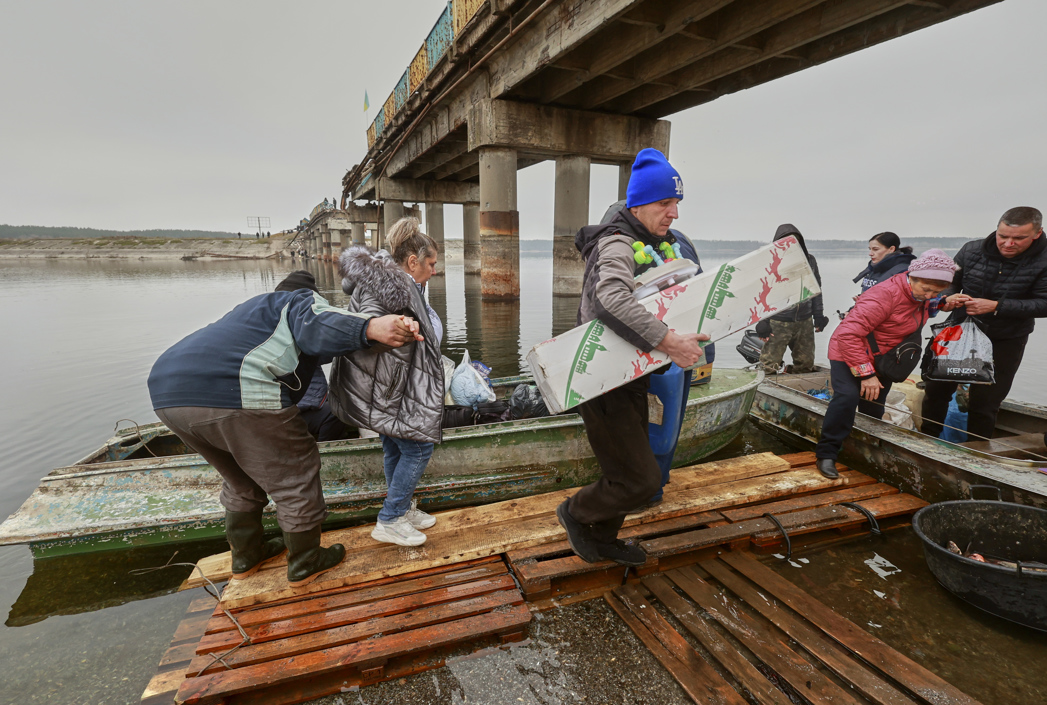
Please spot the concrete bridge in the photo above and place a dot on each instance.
(328, 229)
(500, 85)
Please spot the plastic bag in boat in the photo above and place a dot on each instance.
(468, 386)
(959, 353)
(896, 411)
(526, 403)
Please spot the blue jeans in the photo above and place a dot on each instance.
(405, 462)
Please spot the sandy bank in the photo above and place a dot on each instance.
(144, 248)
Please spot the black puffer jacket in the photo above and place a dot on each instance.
(894, 263)
(812, 306)
(1019, 284)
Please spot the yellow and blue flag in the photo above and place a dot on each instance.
(367, 104)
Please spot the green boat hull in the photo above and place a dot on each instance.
(161, 500)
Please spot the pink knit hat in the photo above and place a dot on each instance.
(933, 264)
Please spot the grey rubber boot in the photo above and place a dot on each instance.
(247, 542)
(306, 559)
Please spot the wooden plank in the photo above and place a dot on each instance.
(811, 501)
(182, 653)
(914, 677)
(348, 633)
(762, 641)
(162, 688)
(348, 598)
(799, 460)
(519, 532)
(306, 624)
(795, 523)
(729, 657)
(191, 628)
(358, 655)
(700, 685)
(681, 523)
(358, 539)
(832, 655)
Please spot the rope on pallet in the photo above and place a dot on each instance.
(211, 589)
(874, 527)
(788, 541)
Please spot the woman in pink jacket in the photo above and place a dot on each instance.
(890, 311)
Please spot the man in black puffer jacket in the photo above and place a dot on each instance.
(1004, 282)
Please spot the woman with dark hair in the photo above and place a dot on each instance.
(886, 258)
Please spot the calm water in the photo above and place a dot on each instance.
(82, 336)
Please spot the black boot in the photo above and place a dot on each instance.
(306, 559)
(247, 542)
(827, 467)
(578, 535)
(622, 553)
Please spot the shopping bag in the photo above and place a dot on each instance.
(959, 353)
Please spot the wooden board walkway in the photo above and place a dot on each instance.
(550, 574)
(320, 644)
(735, 606)
(389, 611)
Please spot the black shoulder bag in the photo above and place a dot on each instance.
(898, 363)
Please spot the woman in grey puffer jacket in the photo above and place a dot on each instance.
(396, 392)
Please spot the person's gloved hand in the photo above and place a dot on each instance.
(763, 330)
(820, 322)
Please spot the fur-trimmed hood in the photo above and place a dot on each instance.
(379, 274)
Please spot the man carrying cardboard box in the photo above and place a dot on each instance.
(616, 422)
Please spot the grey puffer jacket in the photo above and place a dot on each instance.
(393, 391)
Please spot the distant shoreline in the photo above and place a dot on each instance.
(171, 248)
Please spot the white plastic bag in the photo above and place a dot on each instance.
(448, 374)
(960, 353)
(896, 411)
(468, 387)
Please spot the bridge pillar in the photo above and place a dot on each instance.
(325, 243)
(359, 233)
(392, 212)
(570, 212)
(499, 225)
(471, 237)
(625, 172)
(434, 227)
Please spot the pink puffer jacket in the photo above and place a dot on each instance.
(888, 311)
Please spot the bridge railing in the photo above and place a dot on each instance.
(450, 24)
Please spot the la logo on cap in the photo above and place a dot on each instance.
(679, 185)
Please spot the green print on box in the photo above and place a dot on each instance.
(585, 354)
(718, 293)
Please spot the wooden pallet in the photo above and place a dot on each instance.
(321, 643)
(171, 670)
(735, 606)
(550, 574)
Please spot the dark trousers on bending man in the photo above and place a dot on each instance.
(847, 400)
(616, 424)
(985, 399)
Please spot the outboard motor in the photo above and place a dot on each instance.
(750, 347)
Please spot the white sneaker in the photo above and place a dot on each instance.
(398, 531)
(418, 518)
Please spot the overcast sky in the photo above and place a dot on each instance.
(197, 115)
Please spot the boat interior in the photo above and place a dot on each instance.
(1020, 427)
(154, 440)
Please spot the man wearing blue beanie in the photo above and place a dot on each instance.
(616, 422)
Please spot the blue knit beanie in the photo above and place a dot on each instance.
(653, 179)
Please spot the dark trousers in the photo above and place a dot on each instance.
(847, 399)
(323, 424)
(616, 424)
(259, 454)
(985, 398)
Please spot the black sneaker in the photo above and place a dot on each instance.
(622, 553)
(578, 535)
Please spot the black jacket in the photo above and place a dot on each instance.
(1019, 284)
(812, 306)
(894, 263)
